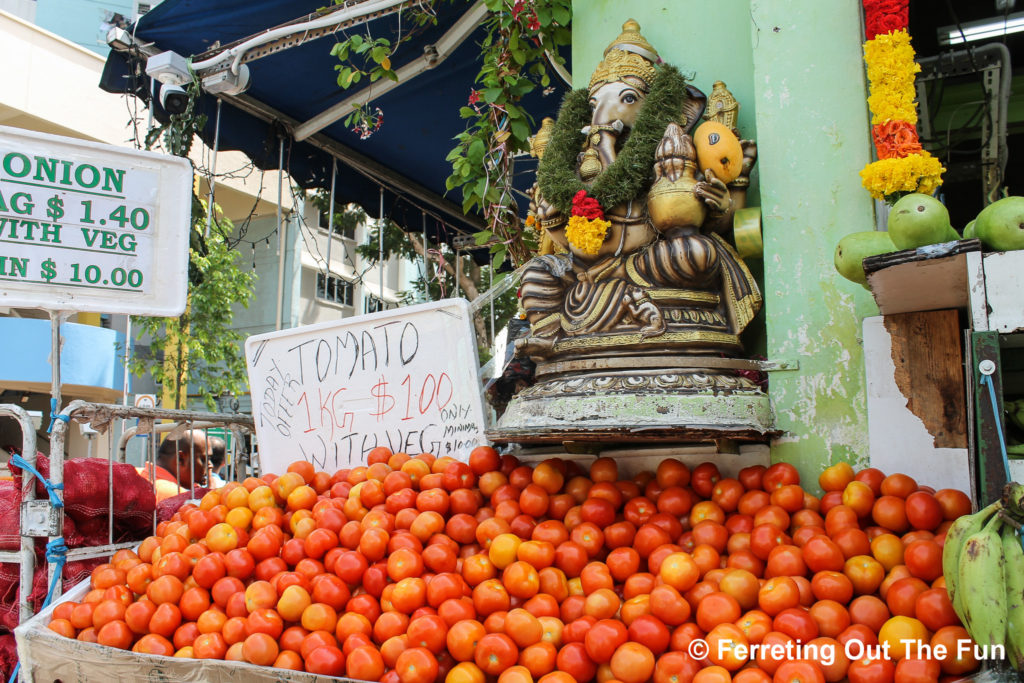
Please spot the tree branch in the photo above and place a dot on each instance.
(467, 285)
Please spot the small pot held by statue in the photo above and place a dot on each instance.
(673, 204)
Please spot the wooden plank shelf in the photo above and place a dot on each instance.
(924, 279)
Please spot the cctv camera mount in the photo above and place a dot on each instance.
(224, 82)
(173, 99)
(169, 68)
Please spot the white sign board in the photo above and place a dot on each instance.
(145, 400)
(329, 393)
(92, 227)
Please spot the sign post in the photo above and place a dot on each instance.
(329, 393)
(81, 228)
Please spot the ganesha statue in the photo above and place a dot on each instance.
(635, 287)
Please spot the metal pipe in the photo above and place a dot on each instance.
(152, 465)
(55, 321)
(237, 52)
(458, 271)
(213, 168)
(57, 438)
(330, 216)
(26, 553)
(426, 285)
(280, 239)
(380, 244)
(490, 260)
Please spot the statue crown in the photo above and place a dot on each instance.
(628, 58)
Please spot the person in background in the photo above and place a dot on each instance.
(180, 463)
(215, 460)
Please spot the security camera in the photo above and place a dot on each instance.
(173, 99)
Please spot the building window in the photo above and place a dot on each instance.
(372, 304)
(144, 7)
(333, 289)
(345, 221)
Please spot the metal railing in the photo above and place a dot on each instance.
(100, 416)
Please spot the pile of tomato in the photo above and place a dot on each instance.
(421, 570)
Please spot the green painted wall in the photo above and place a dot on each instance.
(795, 66)
(813, 137)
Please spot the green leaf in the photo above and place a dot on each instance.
(356, 40)
(520, 129)
(499, 256)
(391, 75)
(543, 15)
(491, 95)
(562, 15)
(475, 153)
(378, 53)
(467, 112)
(482, 237)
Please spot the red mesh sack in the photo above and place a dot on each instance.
(9, 616)
(86, 485)
(10, 516)
(76, 571)
(166, 508)
(10, 576)
(8, 655)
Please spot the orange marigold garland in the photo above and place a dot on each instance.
(902, 166)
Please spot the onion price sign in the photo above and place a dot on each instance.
(407, 379)
(81, 225)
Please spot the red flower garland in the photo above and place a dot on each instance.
(585, 206)
(885, 16)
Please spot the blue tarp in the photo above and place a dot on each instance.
(421, 117)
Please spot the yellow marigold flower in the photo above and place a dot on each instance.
(891, 71)
(531, 221)
(585, 234)
(913, 173)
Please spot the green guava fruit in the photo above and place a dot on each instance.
(917, 220)
(855, 247)
(969, 230)
(1000, 225)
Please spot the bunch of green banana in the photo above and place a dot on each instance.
(983, 564)
(1015, 412)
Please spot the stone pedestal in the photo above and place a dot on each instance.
(630, 400)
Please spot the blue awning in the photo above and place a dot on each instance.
(406, 156)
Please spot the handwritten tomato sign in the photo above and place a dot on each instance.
(329, 393)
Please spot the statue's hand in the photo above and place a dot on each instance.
(714, 193)
(749, 148)
(541, 208)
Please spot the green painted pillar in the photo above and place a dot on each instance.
(796, 68)
(813, 136)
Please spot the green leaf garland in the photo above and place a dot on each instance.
(632, 172)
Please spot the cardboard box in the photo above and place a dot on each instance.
(47, 657)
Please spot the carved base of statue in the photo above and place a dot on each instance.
(636, 399)
(636, 301)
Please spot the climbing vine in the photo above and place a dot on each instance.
(523, 37)
(523, 40)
